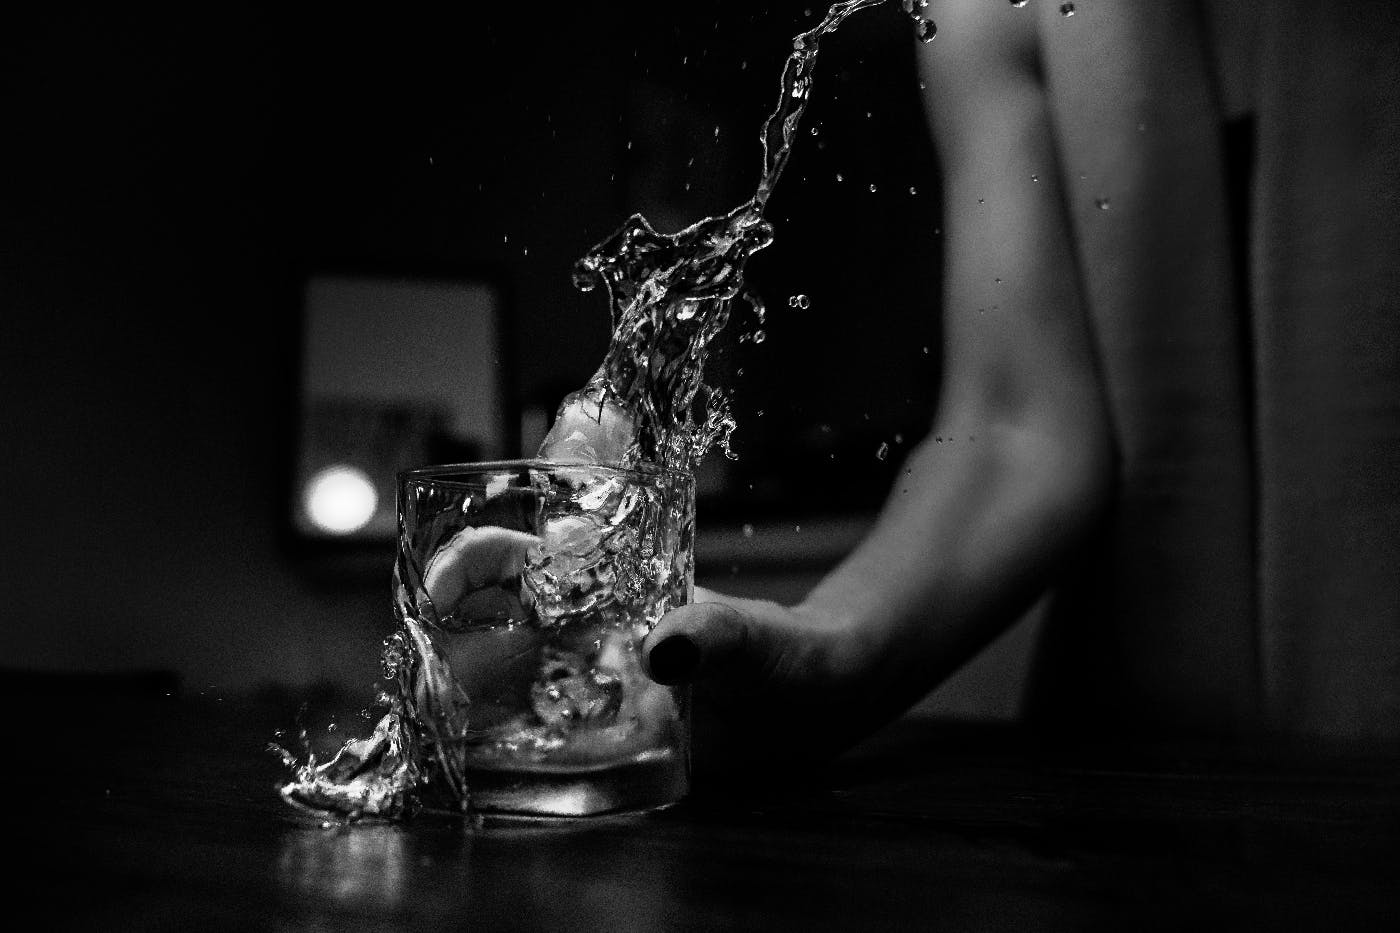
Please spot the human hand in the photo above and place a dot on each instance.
(772, 685)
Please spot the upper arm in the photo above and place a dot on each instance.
(1017, 341)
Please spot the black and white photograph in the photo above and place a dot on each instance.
(787, 465)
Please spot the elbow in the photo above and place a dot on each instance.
(1075, 473)
(1052, 474)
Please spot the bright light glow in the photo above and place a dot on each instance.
(340, 499)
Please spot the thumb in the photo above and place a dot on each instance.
(709, 640)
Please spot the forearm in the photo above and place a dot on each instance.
(971, 535)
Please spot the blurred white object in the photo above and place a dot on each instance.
(340, 499)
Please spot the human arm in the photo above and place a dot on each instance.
(983, 520)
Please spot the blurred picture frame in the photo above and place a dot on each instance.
(398, 369)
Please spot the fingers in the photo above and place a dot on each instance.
(707, 640)
(703, 595)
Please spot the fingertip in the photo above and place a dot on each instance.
(698, 638)
(673, 660)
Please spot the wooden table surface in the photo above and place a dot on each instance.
(160, 814)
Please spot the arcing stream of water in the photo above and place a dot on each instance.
(670, 295)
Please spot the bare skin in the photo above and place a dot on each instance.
(1030, 139)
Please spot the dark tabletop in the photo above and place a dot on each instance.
(160, 813)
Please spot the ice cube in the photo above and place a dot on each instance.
(590, 428)
(574, 569)
(571, 693)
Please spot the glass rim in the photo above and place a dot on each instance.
(445, 472)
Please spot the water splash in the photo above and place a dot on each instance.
(670, 296)
(648, 403)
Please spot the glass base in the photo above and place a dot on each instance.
(654, 781)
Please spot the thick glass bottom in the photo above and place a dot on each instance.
(652, 780)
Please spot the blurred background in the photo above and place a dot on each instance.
(251, 266)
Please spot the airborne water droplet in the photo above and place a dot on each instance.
(1066, 9)
(839, 177)
(1018, 3)
(882, 451)
(759, 336)
(925, 29)
(748, 531)
(1101, 203)
(804, 302)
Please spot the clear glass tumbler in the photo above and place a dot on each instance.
(523, 591)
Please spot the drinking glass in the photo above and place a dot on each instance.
(523, 590)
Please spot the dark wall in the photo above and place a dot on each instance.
(164, 180)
